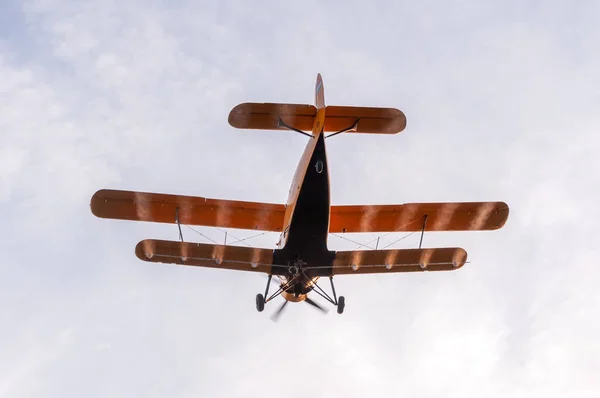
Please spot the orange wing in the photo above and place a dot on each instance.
(261, 260)
(205, 255)
(401, 260)
(191, 210)
(467, 216)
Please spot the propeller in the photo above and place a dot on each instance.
(316, 305)
(277, 314)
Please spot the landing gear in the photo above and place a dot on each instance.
(261, 299)
(298, 274)
(341, 304)
(260, 302)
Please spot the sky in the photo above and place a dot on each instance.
(501, 99)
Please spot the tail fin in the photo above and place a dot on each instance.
(319, 92)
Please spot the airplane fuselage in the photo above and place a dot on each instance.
(303, 242)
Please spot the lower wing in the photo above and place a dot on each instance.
(261, 260)
(400, 260)
(206, 255)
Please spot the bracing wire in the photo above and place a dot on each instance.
(381, 236)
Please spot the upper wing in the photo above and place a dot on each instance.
(369, 120)
(191, 210)
(205, 255)
(265, 116)
(400, 260)
(466, 216)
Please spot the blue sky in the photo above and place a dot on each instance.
(501, 100)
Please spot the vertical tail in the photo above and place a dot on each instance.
(319, 123)
(319, 93)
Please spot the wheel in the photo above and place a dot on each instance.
(341, 304)
(260, 302)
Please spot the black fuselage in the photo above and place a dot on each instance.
(305, 239)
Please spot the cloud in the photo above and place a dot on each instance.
(501, 102)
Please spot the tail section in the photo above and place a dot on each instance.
(301, 117)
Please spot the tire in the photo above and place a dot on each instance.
(341, 304)
(260, 302)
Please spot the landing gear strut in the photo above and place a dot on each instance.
(262, 300)
(340, 302)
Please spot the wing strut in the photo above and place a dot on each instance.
(281, 123)
(351, 128)
(333, 290)
(178, 223)
(268, 283)
(423, 230)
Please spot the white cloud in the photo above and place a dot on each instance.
(501, 103)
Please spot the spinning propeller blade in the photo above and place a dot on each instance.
(277, 313)
(318, 306)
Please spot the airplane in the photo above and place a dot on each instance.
(302, 256)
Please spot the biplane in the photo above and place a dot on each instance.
(304, 222)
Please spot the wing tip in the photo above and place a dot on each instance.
(143, 249)
(503, 210)
(100, 202)
(96, 202)
(460, 258)
(398, 123)
(233, 118)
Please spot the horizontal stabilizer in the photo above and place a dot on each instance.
(267, 116)
(410, 217)
(191, 210)
(205, 255)
(368, 120)
(400, 260)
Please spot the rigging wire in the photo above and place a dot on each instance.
(381, 236)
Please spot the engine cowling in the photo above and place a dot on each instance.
(292, 298)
